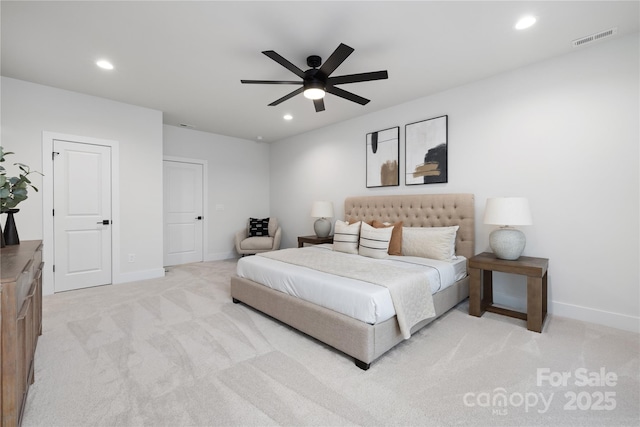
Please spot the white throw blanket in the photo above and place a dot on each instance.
(409, 291)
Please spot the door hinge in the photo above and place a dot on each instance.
(54, 268)
(53, 212)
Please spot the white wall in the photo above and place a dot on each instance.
(563, 133)
(238, 182)
(29, 109)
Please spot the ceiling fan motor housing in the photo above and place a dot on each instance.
(314, 79)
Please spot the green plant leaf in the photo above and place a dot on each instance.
(14, 190)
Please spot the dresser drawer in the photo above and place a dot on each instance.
(20, 325)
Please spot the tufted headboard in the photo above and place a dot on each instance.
(420, 210)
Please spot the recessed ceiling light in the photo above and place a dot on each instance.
(104, 64)
(288, 117)
(525, 22)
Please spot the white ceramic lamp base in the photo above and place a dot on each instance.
(322, 227)
(507, 243)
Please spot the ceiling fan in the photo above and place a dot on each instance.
(317, 81)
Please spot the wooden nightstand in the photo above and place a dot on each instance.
(481, 268)
(313, 240)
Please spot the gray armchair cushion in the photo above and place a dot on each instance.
(264, 243)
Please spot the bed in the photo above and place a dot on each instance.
(363, 341)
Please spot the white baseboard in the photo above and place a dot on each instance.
(592, 315)
(219, 256)
(138, 275)
(47, 284)
(586, 314)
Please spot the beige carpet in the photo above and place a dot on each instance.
(177, 352)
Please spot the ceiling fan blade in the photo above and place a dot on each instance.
(337, 57)
(347, 95)
(271, 82)
(360, 77)
(284, 98)
(319, 104)
(285, 63)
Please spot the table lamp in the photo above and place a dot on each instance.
(322, 210)
(507, 242)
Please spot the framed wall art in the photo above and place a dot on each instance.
(426, 151)
(383, 153)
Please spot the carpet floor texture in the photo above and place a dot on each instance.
(176, 351)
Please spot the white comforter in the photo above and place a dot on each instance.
(408, 288)
(360, 300)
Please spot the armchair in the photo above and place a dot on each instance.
(250, 245)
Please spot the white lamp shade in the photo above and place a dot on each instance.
(322, 209)
(507, 211)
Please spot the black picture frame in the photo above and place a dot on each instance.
(383, 158)
(426, 151)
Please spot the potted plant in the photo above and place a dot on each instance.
(13, 190)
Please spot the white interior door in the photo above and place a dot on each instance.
(82, 215)
(183, 212)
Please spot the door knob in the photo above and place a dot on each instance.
(199, 218)
(104, 222)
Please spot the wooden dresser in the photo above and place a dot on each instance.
(21, 324)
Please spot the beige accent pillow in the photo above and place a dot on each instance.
(395, 245)
(374, 242)
(430, 242)
(345, 237)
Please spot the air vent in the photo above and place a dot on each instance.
(595, 37)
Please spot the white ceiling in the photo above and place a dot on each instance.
(187, 58)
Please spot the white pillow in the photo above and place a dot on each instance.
(374, 242)
(430, 242)
(345, 237)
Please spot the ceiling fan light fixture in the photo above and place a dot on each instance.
(314, 93)
(313, 89)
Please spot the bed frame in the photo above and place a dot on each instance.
(362, 341)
